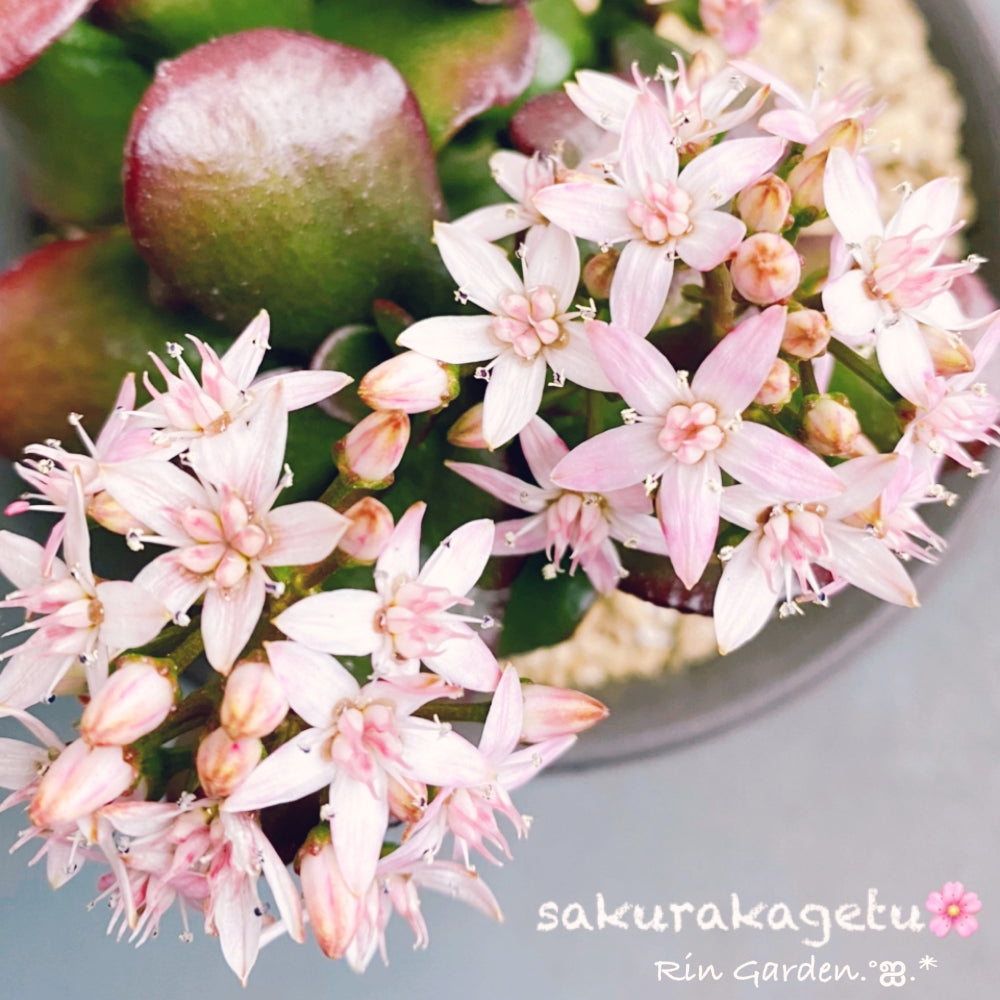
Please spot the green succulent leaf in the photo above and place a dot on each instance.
(74, 320)
(272, 169)
(542, 612)
(459, 60)
(168, 27)
(67, 116)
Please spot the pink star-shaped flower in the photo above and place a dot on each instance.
(658, 212)
(684, 435)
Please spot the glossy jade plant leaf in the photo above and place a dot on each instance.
(74, 320)
(543, 612)
(552, 121)
(28, 27)
(273, 169)
(168, 27)
(460, 60)
(67, 116)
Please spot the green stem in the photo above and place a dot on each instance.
(807, 376)
(339, 494)
(721, 308)
(449, 711)
(191, 713)
(189, 649)
(853, 362)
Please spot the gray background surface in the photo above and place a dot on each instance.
(886, 776)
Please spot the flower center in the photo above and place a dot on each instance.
(364, 736)
(415, 621)
(664, 213)
(529, 321)
(792, 539)
(225, 541)
(954, 910)
(690, 431)
(575, 522)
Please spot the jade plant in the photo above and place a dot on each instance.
(447, 330)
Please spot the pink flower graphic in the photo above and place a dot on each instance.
(954, 907)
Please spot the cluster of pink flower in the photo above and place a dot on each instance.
(697, 228)
(691, 214)
(166, 783)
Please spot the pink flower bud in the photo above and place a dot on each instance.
(334, 911)
(407, 798)
(806, 183)
(831, 426)
(598, 272)
(552, 711)
(136, 698)
(110, 514)
(807, 333)
(224, 762)
(370, 452)
(764, 205)
(766, 269)
(735, 24)
(254, 703)
(781, 382)
(81, 779)
(370, 528)
(467, 431)
(410, 382)
(847, 133)
(950, 354)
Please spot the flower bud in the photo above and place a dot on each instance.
(370, 452)
(552, 711)
(110, 514)
(950, 354)
(598, 272)
(223, 763)
(847, 133)
(831, 426)
(410, 382)
(807, 333)
(369, 530)
(133, 701)
(806, 184)
(735, 24)
(334, 911)
(80, 780)
(467, 431)
(777, 389)
(254, 703)
(407, 798)
(766, 269)
(764, 205)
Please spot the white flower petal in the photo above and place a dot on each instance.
(315, 683)
(294, 770)
(302, 534)
(456, 340)
(228, 619)
(335, 621)
(744, 600)
(482, 270)
(512, 396)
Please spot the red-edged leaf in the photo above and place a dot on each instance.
(74, 320)
(272, 169)
(28, 27)
(460, 60)
(67, 116)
